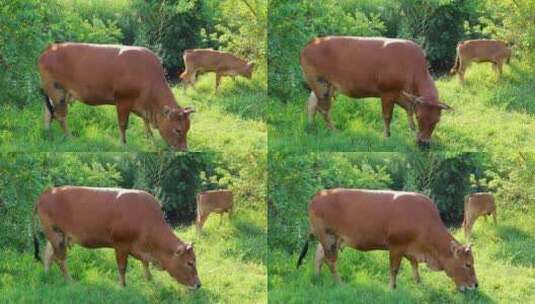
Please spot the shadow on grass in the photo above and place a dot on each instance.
(519, 246)
(247, 242)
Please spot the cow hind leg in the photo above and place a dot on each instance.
(319, 260)
(321, 100)
(58, 242)
(330, 248)
(49, 256)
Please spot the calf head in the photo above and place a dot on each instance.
(460, 266)
(174, 126)
(248, 70)
(427, 115)
(181, 265)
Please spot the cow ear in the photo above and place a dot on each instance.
(167, 111)
(455, 248)
(413, 98)
(180, 250)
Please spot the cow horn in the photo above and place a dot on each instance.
(413, 98)
(188, 110)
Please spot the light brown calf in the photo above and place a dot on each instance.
(476, 205)
(480, 50)
(198, 61)
(218, 201)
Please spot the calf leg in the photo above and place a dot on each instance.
(122, 261)
(395, 262)
(201, 218)
(217, 81)
(146, 271)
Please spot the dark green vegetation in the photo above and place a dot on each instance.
(231, 258)
(504, 256)
(234, 116)
(489, 114)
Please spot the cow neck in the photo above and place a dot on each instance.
(442, 240)
(425, 87)
(164, 98)
(164, 241)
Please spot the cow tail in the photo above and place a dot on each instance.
(456, 65)
(304, 250)
(48, 104)
(34, 236)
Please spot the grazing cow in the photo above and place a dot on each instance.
(404, 223)
(198, 61)
(129, 221)
(218, 201)
(480, 50)
(129, 77)
(393, 69)
(476, 205)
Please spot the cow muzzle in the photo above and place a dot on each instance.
(464, 288)
(195, 286)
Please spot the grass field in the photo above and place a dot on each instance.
(489, 115)
(504, 262)
(234, 117)
(231, 262)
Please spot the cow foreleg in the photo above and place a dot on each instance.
(122, 114)
(122, 261)
(388, 107)
(395, 262)
(494, 217)
(146, 271)
(469, 223)
(201, 218)
(415, 272)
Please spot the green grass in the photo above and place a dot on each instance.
(504, 260)
(231, 119)
(489, 115)
(231, 262)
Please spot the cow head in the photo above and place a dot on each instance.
(460, 266)
(174, 126)
(181, 265)
(427, 115)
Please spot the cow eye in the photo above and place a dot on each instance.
(468, 266)
(190, 264)
(177, 131)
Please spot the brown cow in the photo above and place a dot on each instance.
(198, 61)
(129, 221)
(481, 50)
(404, 223)
(218, 201)
(129, 77)
(476, 205)
(393, 69)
